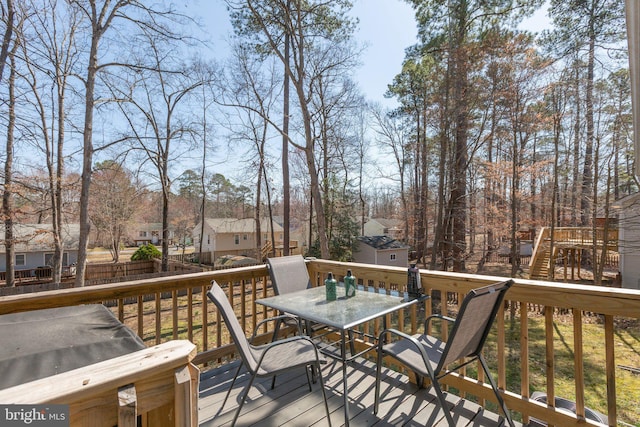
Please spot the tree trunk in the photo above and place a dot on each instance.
(286, 187)
(7, 196)
(87, 155)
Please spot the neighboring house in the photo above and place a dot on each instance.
(34, 246)
(384, 227)
(629, 240)
(231, 236)
(145, 233)
(381, 250)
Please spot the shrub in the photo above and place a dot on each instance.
(145, 253)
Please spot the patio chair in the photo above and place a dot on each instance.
(290, 274)
(429, 357)
(297, 352)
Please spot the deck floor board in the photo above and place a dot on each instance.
(291, 404)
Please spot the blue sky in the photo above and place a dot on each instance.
(387, 27)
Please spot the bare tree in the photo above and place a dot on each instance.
(8, 16)
(101, 16)
(157, 112)
(392, 138)
(313, 29)
(7, 195)
(114, 203)
(50, 55)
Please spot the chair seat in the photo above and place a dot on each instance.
(286, 356)
(408, 354)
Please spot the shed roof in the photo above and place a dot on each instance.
(382, 242)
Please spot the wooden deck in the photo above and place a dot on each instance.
(291, 403)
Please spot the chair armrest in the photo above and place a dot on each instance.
(427, 321)
(393, 332)
(274, 319)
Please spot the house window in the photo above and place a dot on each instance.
(21, 260)
(392, 257)
(245, 237)
(143, 234)
(48, 259)
(208, 240)
(236, 239)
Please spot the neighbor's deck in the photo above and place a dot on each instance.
(291, 403)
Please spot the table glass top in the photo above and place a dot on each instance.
(343, 313)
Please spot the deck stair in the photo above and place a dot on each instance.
(539, 267)
(577, 238)
(266, 250)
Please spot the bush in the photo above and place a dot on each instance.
(145, 253)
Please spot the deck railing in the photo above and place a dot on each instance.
(175, 307)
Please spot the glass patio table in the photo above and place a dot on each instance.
(342, 315)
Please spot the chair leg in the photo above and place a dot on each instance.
(501, 403)
(442, 402)
(324, 393)
(224, 402)
(309, 375)
(245, 393)
(378, 373)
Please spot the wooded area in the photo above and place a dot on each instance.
(113, 112)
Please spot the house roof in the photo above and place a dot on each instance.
(234, 225)
(382, 242)
(387, 222)
(39, 237)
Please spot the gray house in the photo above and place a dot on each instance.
(381, 250)
(34, 246)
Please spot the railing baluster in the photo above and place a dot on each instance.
(141, 316)
(243, 305)
(190, 314)
(578, 355)
(524, 350)
(205, 318)
(549, 355)
(158, 317)
(610, 369)
(174, 314)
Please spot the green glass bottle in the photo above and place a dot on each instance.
(349, 284)
(330, 287)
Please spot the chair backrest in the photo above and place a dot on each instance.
(288, 274)
(219, 298)
(473, 323)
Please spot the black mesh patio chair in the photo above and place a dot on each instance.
(297, 352)
(429, 357)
